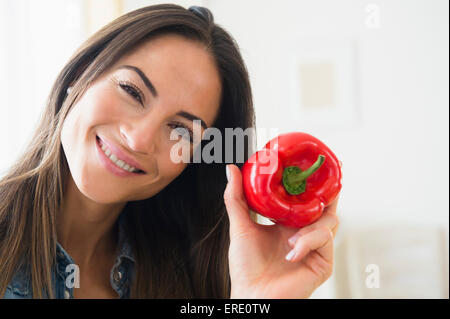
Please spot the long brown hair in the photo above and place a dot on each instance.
(180, 236)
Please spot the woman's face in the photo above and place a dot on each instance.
(128, 114)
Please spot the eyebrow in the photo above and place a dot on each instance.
(191, 117)
(144, 78)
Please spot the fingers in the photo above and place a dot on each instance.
(332, 208)
(237, 208)
(330, 221)
(320, 240)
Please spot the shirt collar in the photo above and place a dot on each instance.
(124, 241)
(21, 280)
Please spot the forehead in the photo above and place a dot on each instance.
(183, 73)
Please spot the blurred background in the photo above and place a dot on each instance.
(368, 78)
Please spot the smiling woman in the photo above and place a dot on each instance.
(96, 186)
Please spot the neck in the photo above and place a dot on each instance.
(86, 228)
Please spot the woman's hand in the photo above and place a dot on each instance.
(274, 261)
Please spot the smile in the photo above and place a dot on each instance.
(117, 160)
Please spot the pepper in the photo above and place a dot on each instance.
(292, 179)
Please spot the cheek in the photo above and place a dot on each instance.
(101, 106)
(167, 172)
(97, 106)
(168, 169)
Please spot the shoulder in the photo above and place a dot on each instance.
(19, 287)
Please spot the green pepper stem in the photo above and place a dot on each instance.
(293, 177)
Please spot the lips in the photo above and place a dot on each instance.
(120, 154)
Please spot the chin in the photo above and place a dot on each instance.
(99, 192)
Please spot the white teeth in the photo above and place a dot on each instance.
(113, 158)
(118, 162)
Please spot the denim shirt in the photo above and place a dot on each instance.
(121, 274)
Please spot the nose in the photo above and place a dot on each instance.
(139, 138)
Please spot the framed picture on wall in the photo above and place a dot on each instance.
(324, 82)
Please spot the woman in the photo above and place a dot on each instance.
(97, 208)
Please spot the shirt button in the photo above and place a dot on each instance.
(117, 276)
(66, 294)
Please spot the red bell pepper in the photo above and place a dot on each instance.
(303, 178)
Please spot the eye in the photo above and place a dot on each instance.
(181, 128)
(133, 91)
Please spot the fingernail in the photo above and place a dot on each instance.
(290, 255)
(294, 238)
(227, 171)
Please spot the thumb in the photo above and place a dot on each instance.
(237, 208)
